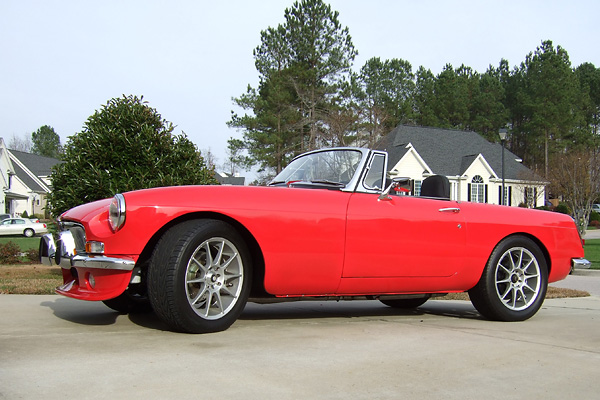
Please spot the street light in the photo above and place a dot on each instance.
(503, 134)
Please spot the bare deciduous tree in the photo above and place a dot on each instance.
(20, 143)
(576, 178)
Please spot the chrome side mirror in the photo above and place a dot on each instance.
(396, 183)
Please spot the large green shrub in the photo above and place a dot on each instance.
(563, 208)
(124, 146)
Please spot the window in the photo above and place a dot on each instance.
(417, 190)
(374, 178)
(507, 201)
(478, 190)
(530, 196)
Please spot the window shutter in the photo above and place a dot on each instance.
(469, 190)
(510, 195)
(500, 195)
(486, 193)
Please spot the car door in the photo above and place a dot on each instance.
(7, 227)
(403, 236)
(19, 226)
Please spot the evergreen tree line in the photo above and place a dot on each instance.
(309, 97)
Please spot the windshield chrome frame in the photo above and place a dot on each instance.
(356, 183)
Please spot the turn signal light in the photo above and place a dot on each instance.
(92, 247)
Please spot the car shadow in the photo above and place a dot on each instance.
(354, 309)
(97, 314)
(83, 313)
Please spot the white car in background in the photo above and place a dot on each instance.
(22, 226)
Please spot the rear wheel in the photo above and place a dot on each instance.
(200, 276)
(514, 282)
(28, 232)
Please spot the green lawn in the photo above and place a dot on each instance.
(592, 252)
(21, 241)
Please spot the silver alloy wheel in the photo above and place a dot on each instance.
(214, 278)
(518, 278)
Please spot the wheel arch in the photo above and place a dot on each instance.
(537, 242)
(258, 263)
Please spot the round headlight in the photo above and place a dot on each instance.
(116, 212)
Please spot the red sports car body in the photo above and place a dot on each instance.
(329, 226)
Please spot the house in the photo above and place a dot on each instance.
(228, 179)
(25, 180)
(472, 164)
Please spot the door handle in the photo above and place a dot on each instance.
(451, 209)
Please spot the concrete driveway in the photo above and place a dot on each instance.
(55, 348)
(592, 234)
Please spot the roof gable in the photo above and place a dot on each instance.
(478, 162)
(31, 168)
(38, 165)
(410, 156)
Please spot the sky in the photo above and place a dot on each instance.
(62, 60)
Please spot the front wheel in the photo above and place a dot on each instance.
(514, 282)
(200, 276)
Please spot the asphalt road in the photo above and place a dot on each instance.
(55, 348)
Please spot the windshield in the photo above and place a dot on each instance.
(335, 167)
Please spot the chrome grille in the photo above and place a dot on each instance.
(78, 234)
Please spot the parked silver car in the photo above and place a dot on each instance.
(22, 226)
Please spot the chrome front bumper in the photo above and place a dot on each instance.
(66, 251)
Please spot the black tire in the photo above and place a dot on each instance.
(129, 302)
(192, 293)
(28, 232)
(514, 282)
(405, 304)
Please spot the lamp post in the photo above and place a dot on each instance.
(502, 134)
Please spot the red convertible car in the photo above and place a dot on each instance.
(330, 226)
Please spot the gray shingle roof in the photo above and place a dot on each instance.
(450, 152)
(39, 165)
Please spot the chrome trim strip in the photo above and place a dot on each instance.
(580, 263)
(102, 262)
